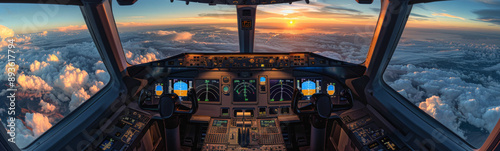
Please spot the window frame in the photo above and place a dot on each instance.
(422, 114)
(90, 110)
(393, 105)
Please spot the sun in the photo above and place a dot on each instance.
(291, 23)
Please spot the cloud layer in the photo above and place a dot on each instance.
(57, 71)
(453, 80)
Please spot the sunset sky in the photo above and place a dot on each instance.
(460, 15)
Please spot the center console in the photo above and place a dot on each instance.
(244, 134)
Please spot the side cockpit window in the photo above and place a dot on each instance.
(49, 62)
(447, 64)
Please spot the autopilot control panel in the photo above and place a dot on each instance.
(254, 60)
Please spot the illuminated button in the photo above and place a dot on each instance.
(225, 89)
(262, 65)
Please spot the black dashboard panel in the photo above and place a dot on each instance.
(254, 60)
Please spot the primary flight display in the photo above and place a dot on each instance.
(280, 90)
(207, 90)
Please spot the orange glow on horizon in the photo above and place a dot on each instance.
(291, 19)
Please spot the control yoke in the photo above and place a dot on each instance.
(320, 104)
(170, 104)
(319, 110)
(171, 109)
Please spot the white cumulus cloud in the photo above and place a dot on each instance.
(32, 82)
(72, 78)
(38, 122)
(176, 36)
(77, 98)
(46, 107)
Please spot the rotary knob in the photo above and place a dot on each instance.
(271, 60)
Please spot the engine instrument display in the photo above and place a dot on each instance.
(280, 90)
(309, 86)
(207, 90)
(244, 90)
(180, 87)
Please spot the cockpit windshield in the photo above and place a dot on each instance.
(151, 31)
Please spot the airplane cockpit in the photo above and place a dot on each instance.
(246, 100)
(252, 101)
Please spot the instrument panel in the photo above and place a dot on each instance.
(245, 90)
(260, 93)
(262, 84)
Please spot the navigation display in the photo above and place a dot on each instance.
(280, 90)
(207, 90)
(309, 86)
(244, 90)
(180, 87)
(267, 123)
